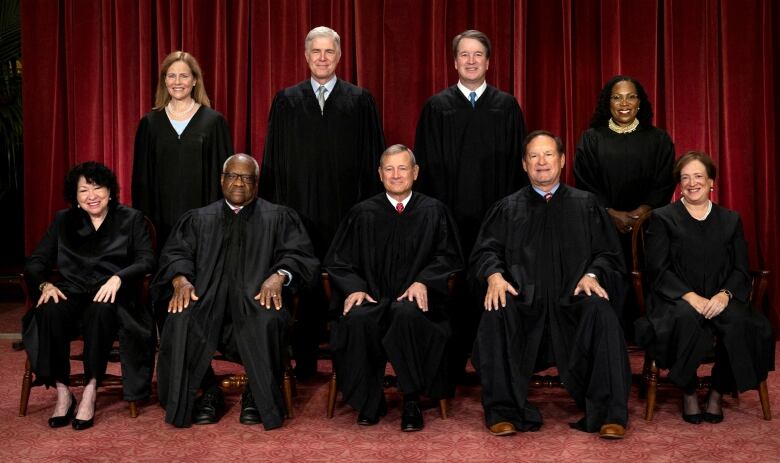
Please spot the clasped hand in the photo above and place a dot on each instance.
(709, 308)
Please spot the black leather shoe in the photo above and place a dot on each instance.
(411, 419)
(249, 412)
(60, 421)
(365, 420)
(209, 407)
(80, 425)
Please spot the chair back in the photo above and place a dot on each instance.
(638, 259)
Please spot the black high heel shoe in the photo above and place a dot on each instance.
(80, 425)
(694, 418)
(60, 421)
(713, 418)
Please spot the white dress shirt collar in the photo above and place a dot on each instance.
(479, 91)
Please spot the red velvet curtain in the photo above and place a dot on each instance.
(708, 65)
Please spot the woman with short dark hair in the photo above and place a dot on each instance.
(102, 251)
(697, 264)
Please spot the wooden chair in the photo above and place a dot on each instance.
(651, 377)
(332, 385)
(78, 379)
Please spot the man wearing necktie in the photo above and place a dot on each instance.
(468, 144)
(389, 263)
(324, 141)
(222, 275)
(551, 266)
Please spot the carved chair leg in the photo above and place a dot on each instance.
(287, 389)
(652, 386)
(443, 408)
(763, 394)
(133, 409)
(26, 386)
(331, 395)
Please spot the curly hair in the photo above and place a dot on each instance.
(602, 113)
(94, 173)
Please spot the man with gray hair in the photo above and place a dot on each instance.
(324, 139)
(389, 264)
(222, 275)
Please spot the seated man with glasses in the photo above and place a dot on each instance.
(221, 275)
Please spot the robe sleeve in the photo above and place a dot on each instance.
(658, 261)
(488, 255)
(446, 258)
(176, 258)
(343, 259)
(295, 253)
(143, 254)
(606, 250)
(143, 175)
(373, 144)
(216, 149)
(738, 281)
(587, 168)
(427, 146)
(44, 256)
(664, 184)
(273, 152)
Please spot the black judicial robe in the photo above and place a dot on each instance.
(381, 252)
(86, 258)
(683, 255)
(470, 157)
(173, 174)
(625, 171)
(227, 257)
(321, 164)
(543, 250)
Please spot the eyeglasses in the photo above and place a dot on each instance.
(232, 177)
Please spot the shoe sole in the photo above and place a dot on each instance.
(610, 436)
(503, 433)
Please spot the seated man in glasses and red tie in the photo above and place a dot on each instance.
(389, 263)
(221, 275)
(552, 266)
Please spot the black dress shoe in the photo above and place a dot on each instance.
(60, 421)
(365, 420)
(411, 419)
(80, 425)
(209, 407)
(249, 412)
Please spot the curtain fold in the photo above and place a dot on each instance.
(709, 67)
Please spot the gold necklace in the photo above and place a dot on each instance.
(621, 129)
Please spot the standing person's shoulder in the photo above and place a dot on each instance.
(500, 98)
(350, 89)
(444, 99)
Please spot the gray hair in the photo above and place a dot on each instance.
(242, 156)
(322, 32)
(396, 149)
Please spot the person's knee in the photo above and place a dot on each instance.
(406, 311)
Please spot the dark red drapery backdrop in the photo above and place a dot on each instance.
(708, 65)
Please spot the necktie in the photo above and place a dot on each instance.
(321, 98)
(399, 207)
(547, 197)
(473, 99)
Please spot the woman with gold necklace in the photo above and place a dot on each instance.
(697, 264)
(179, 147)
(626, 163)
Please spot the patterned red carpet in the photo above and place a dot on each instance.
(310, 436)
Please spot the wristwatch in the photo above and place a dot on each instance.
(592, 275)
(727, 292)
(43, 285)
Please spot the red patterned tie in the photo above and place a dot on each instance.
(399, 207)
(547, 197)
